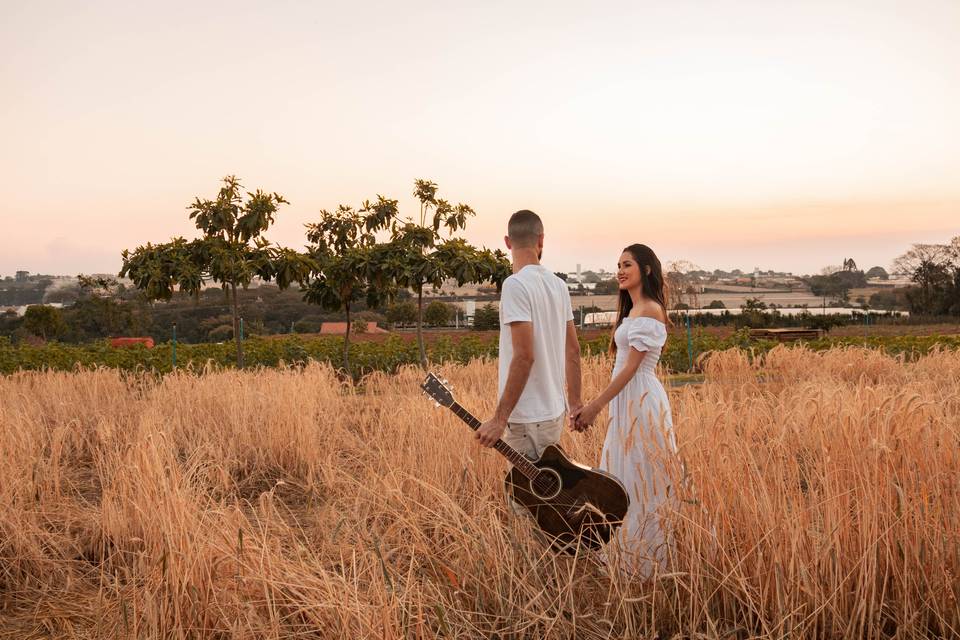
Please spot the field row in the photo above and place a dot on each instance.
(278, 503)
(366, 356)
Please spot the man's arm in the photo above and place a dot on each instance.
(574, 398)
(521, 336)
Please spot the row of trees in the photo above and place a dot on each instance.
(935, 272)
(97, 311)
(266, 311)
(365, 254)
(435, 314)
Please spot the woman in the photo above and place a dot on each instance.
(640, 437)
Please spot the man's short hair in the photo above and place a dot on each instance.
(524, 229)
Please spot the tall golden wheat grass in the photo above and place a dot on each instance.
(819, 497)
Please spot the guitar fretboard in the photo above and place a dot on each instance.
(519, 460)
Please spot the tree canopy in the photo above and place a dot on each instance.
(230, 252)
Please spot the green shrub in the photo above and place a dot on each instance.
(390, 354)
(486, 318)
(222, 333)
(437, 314)
(401, 313)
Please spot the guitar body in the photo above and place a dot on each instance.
(576, 506)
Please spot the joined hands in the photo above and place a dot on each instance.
(582, 416)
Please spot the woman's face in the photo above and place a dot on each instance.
(628, 271)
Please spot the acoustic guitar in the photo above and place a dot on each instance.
(575, 505)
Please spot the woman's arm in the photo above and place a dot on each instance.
(619, 381)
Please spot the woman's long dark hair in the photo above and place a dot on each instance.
(651, 282)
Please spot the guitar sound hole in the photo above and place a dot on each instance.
(547, 484)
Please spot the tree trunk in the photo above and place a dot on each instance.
(423, 351)
(346, 345)
(236, 327)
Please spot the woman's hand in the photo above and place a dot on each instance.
(584, 417)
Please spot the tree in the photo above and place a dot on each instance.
(683, 286)
(878, 272)
(43, 321)
(716, 304)
(888, 300)
(418, 256)
(935, 270)
(582, 312)
(755, 313)
(309, 324)
(231, 251)
(920, 255)
(67, 294)
(10, 322)
(347, 263)
(437, 314)
(486, 318)
(100, 310)
(221, 333)
(607, 287)
(831, 286)
(402, 313)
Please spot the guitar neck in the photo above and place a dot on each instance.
(519, 460)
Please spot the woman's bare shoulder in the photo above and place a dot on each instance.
(649, 309)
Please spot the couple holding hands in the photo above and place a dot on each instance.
(540, 360)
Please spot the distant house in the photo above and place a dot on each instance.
(340, 328)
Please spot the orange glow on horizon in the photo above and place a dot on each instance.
(736, 135)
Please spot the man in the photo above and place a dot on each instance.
(539, 350)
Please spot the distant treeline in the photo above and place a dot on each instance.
(206, 317)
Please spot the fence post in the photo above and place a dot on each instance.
(174, 346)
(689, 345)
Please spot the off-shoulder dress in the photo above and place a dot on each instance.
(640, 445)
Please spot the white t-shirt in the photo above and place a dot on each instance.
(535, 294)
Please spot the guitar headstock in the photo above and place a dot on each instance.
(438, 390)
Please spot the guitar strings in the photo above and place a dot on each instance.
(540, 483)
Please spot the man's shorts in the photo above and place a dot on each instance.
(532, 438)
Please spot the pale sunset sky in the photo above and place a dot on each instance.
(784, 135)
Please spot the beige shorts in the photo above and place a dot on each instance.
(532, 438)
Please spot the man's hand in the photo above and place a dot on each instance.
(584, 417)
(574, 409)
(491, 431)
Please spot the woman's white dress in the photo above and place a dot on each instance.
(640, 445)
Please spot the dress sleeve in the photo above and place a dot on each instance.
(645, 334)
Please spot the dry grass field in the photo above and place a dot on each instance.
(821, 502)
